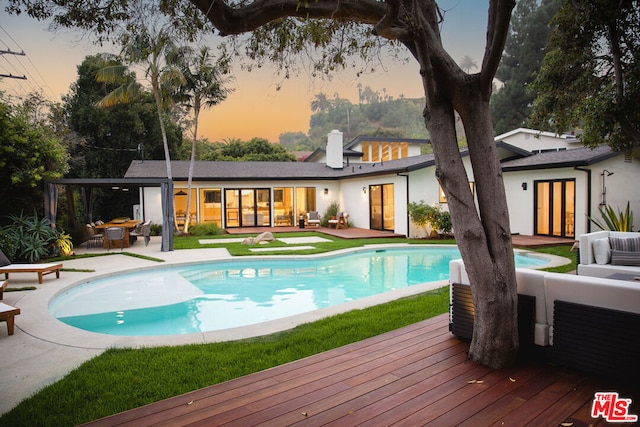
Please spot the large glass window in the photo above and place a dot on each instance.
(211, 205)
(283, 206)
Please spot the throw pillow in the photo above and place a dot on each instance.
(602, 251)
(4, 260)
(625, 258)
(629, 244)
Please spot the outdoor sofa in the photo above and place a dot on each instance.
(587, 323)
(609, 253)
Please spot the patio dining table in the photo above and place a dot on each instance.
(128, 224)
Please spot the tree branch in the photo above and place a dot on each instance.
(230, 20)
(385, 26)
(497, 30)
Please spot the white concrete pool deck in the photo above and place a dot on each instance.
(43, 349)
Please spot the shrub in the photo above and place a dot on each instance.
(423, 214)
(205, 229)
(332, 211)
(35, 239)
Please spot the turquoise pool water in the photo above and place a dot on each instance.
(219, 295)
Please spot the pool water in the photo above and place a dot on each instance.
(219, 295)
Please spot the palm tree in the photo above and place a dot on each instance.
(204, 87)
(320, 103)
(149, 48)
(467, 63)
(154, 50)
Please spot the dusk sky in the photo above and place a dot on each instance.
(256, 108)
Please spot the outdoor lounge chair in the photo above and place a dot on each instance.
(41, 269)
(341, 219)
(313, 218)
(8, 314)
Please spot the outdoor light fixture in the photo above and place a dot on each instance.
(326, 191)
(524, 186)
(364, 190)
(605, 173)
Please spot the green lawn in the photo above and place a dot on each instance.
(121, 379)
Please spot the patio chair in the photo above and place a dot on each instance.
(114, 234)
(146, 232)
(313, 218)
(93, 237)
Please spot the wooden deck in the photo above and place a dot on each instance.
(417, 375)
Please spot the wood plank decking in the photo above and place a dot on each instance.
(417, 375)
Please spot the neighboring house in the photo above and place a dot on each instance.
(373, 179)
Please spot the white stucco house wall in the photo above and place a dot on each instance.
(552, 183)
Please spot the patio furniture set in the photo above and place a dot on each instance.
(8, 312)
(584, 321)
(119, 232)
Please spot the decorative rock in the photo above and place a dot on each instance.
(267, 236)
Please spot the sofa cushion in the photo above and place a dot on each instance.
(4, 260)
(602, 251)
(625, 258)
(631, 244)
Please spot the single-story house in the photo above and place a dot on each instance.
(552, 182)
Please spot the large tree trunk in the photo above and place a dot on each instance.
(482, 234)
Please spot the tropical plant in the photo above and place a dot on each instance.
(467, 63)
(64, 244)
(204, 87)
(620, 221)
(34, 237)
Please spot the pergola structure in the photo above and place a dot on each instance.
(166, 194)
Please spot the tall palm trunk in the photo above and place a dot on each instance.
(196, 113)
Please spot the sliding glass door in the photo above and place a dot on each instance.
(555, 207)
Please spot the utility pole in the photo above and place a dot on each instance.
(11, 76)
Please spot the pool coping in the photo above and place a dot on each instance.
(39, 323)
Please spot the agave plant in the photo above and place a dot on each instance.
(33, 236)
(620, 221)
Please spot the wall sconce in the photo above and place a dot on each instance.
(326, 191)
(524, 186)
(364, 190)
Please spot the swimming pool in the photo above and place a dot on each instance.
(185, 299)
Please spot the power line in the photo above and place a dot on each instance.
(40, 87)
(11, 76)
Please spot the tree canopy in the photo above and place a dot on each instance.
(30, 153)
(521, 61)
(255, 150)
(590, 79)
